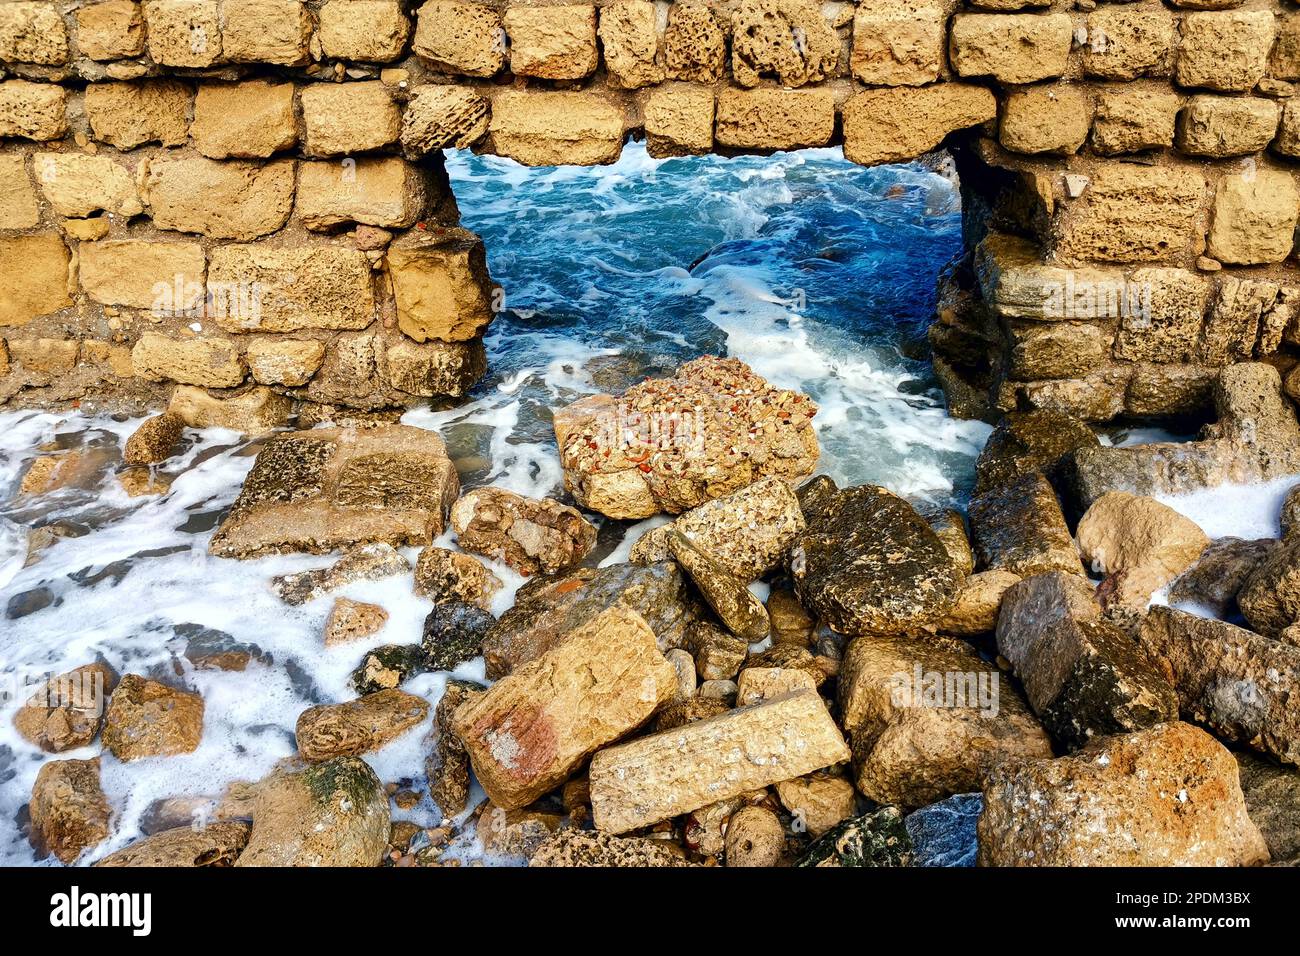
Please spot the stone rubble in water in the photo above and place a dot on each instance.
(1020, 527)
(737, 608)
(369, 562)
(332, 488)
(447, 765)
(453, 633)
(530, 535)
(1270, 597)
(69, 812)
(68, 711)
(581, 848)
(1273, 801)
(154, 441)
(357, 726)
(353, 621)
(441, 574)
(149, 719)
(1217, 576)
(672, 444)
(216, 845)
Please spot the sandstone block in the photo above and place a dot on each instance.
(183, 32)
(771, 119)
(33, 277)
(231, 200)
(268, 289)
(1270, 597)
(528, 534)
(1135, 214)
(358, 726)
(280, 361)
(110, 30)
(552, 43)
(78, 185)
(69, 812)
(32, 32)
(252, 411)
(216, 844)
(33, 110)
(676, 771)
(1057, 349)
(370, 31)
(1130, 121)
(899, 43)
(1288, 140)
(441, 117)
(1046, 119)
(154, 441)
(1012, 48)
(897, 125)
(445, 575)
(1128, 42)
(441, 285)
(464, 38)
(352, 621)
(342, 118)
(18, 209)
(210, 362)
(531, 730)
(127, 115)
(1225, 50)
(679, 120)
(382, 191)
(1223, 126)
(144, 274)
(68, 710)
(629, 37)
(428, 369)
(249, 120)
(265, 31)
(149, 719)
(1254, 217)
(1166, 324)
(318, 490)
(552, 129)
(789, 41)
(1019, 527)
(695, 42)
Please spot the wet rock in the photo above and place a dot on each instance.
(816, 494)
(1083, 676)
(747, 533)
(1220, 572)
(447, 765)
(878, 838)
(533, 728)
(335, 487)
(868, 563)
(252, 410)
(353, 621)
(1273, 801)
(684, 665)
(70, 469)
(674, 772)
(976, 609)
(1139, 544)
(28, 602)
(817, 802)
(387, 667)
(515, 833)
(548, 610)
(216, 845)
(357, 726)
(1019, 527)
(453, 633)
(154, 441)
(332, 814)
(757, 684)
(704, 831)
(210, 649)
(68, 810)
(682, 712)
(755, 837)
(449, 575)
(1256, 438)
(371, 562)
(673, 444)
(1238, 684)
(791, 624)
(528, 534)
(68, 710)
(1034, 441)
(737, 608)
(1165, 796)
(928, 718)
(1290, 517)
(139, 482)
(718, 655)
(1270, 597)
(950, 526)
(943, 834)
(578, 848)
(149, 719)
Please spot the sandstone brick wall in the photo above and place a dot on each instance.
(237, 193)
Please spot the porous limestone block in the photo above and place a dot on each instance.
(899, 124)
(249, 120)
(222, 200)
(343, 118)
(461, 37)
(1254, 217)
(899, 42)
(183, 32)
(1011, 48)
(164, 277)
(1225, 49)
(37, 111)
(1133, 120)
(1127, 42)
(769, 119)
(369, 31)
(552, 129)
(381, 191)
(127, 115)
(552, 43)
(679, 120)
(32, 32)
(209, 362)
(33, 277)
(259, 288)
(1046, 119)
(110, 30)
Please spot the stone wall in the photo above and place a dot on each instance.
(239, 194)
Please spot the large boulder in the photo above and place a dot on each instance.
(869, 564)
(1273, 801)
(1242, 686)
(673, 444)
(1165, 796)
(1020, 527)
(329, 488)
(1026, 442)
(1084, 677)
(68, 809)
(528, 534)
(332, 814)
(1270, 597)
(929, 718)
(1217, 576)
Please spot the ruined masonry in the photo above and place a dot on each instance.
(250, 194)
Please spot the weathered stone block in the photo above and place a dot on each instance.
(144, 274)
(75, 184)
(250, 120)
(1254, 217)
(1019, 527)
(110, 30)
(1288, 140)
(552, 129)
(899, 43)
(1012, 48)
(1046, 119)
(1135, 214)
(343, 118)
(1129, 121)
(1127, 42)
(680, 770)
(230, 200)
(789, 41)
(464, 38)
(629, 37)
(183, 32)
(127, 115)
(149, 719)
(357, 726)
(33, 110)
(252, 410)
(679, 120)
(1166, 323)
(552, 43)
(1057, 349)
(371, 31)
(18, 208)
(281, 361)
(442, 117)
(32, 32)
(382, 191)
(897, 125)
(695, 42)
(265, 31)
(441, 285)
(266, 289)
(770, 119)
(68, 809)
(33, 277)
(434, 368)
(1223, 126)
(209, 362)
(1225, 50)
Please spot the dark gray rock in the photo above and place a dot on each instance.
(1220, 572)
(453, 634)
(878, 838)
(1026, 442)
(943, 834)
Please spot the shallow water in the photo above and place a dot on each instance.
(814, 271)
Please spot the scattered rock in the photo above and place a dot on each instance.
(721, 690)
(1270, 597)
(1220, 572)
(950, 526)
(674, 772)
(449, 575)
(149, 719)
(684, 665)
(332, 814)
(1139, 544)
(757, 684)
(755, 837)
(673, 444)
(574, 848)
(681, 712)
(868, 563)
(137, 482)
(370, 562)
(387, 667)
(791, 624)
(154, 441)
(357, 726)
(68, 809)
(878, 838)
(1165, 796)
(448, 763)
(533, 728)
(329, 488)
(976, 609)
(943, 834)
(1019, 527)
(453, 633)
(529, 535)
(69, 710)
(1034, 441)
(1273, 801)
(1083, 676)
(739, 610)
(353, 621)
(817, 802)
(515, 833)
(217, 844)
(747, 533)
(71, 469)
(718, 655)
(1238, 684)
